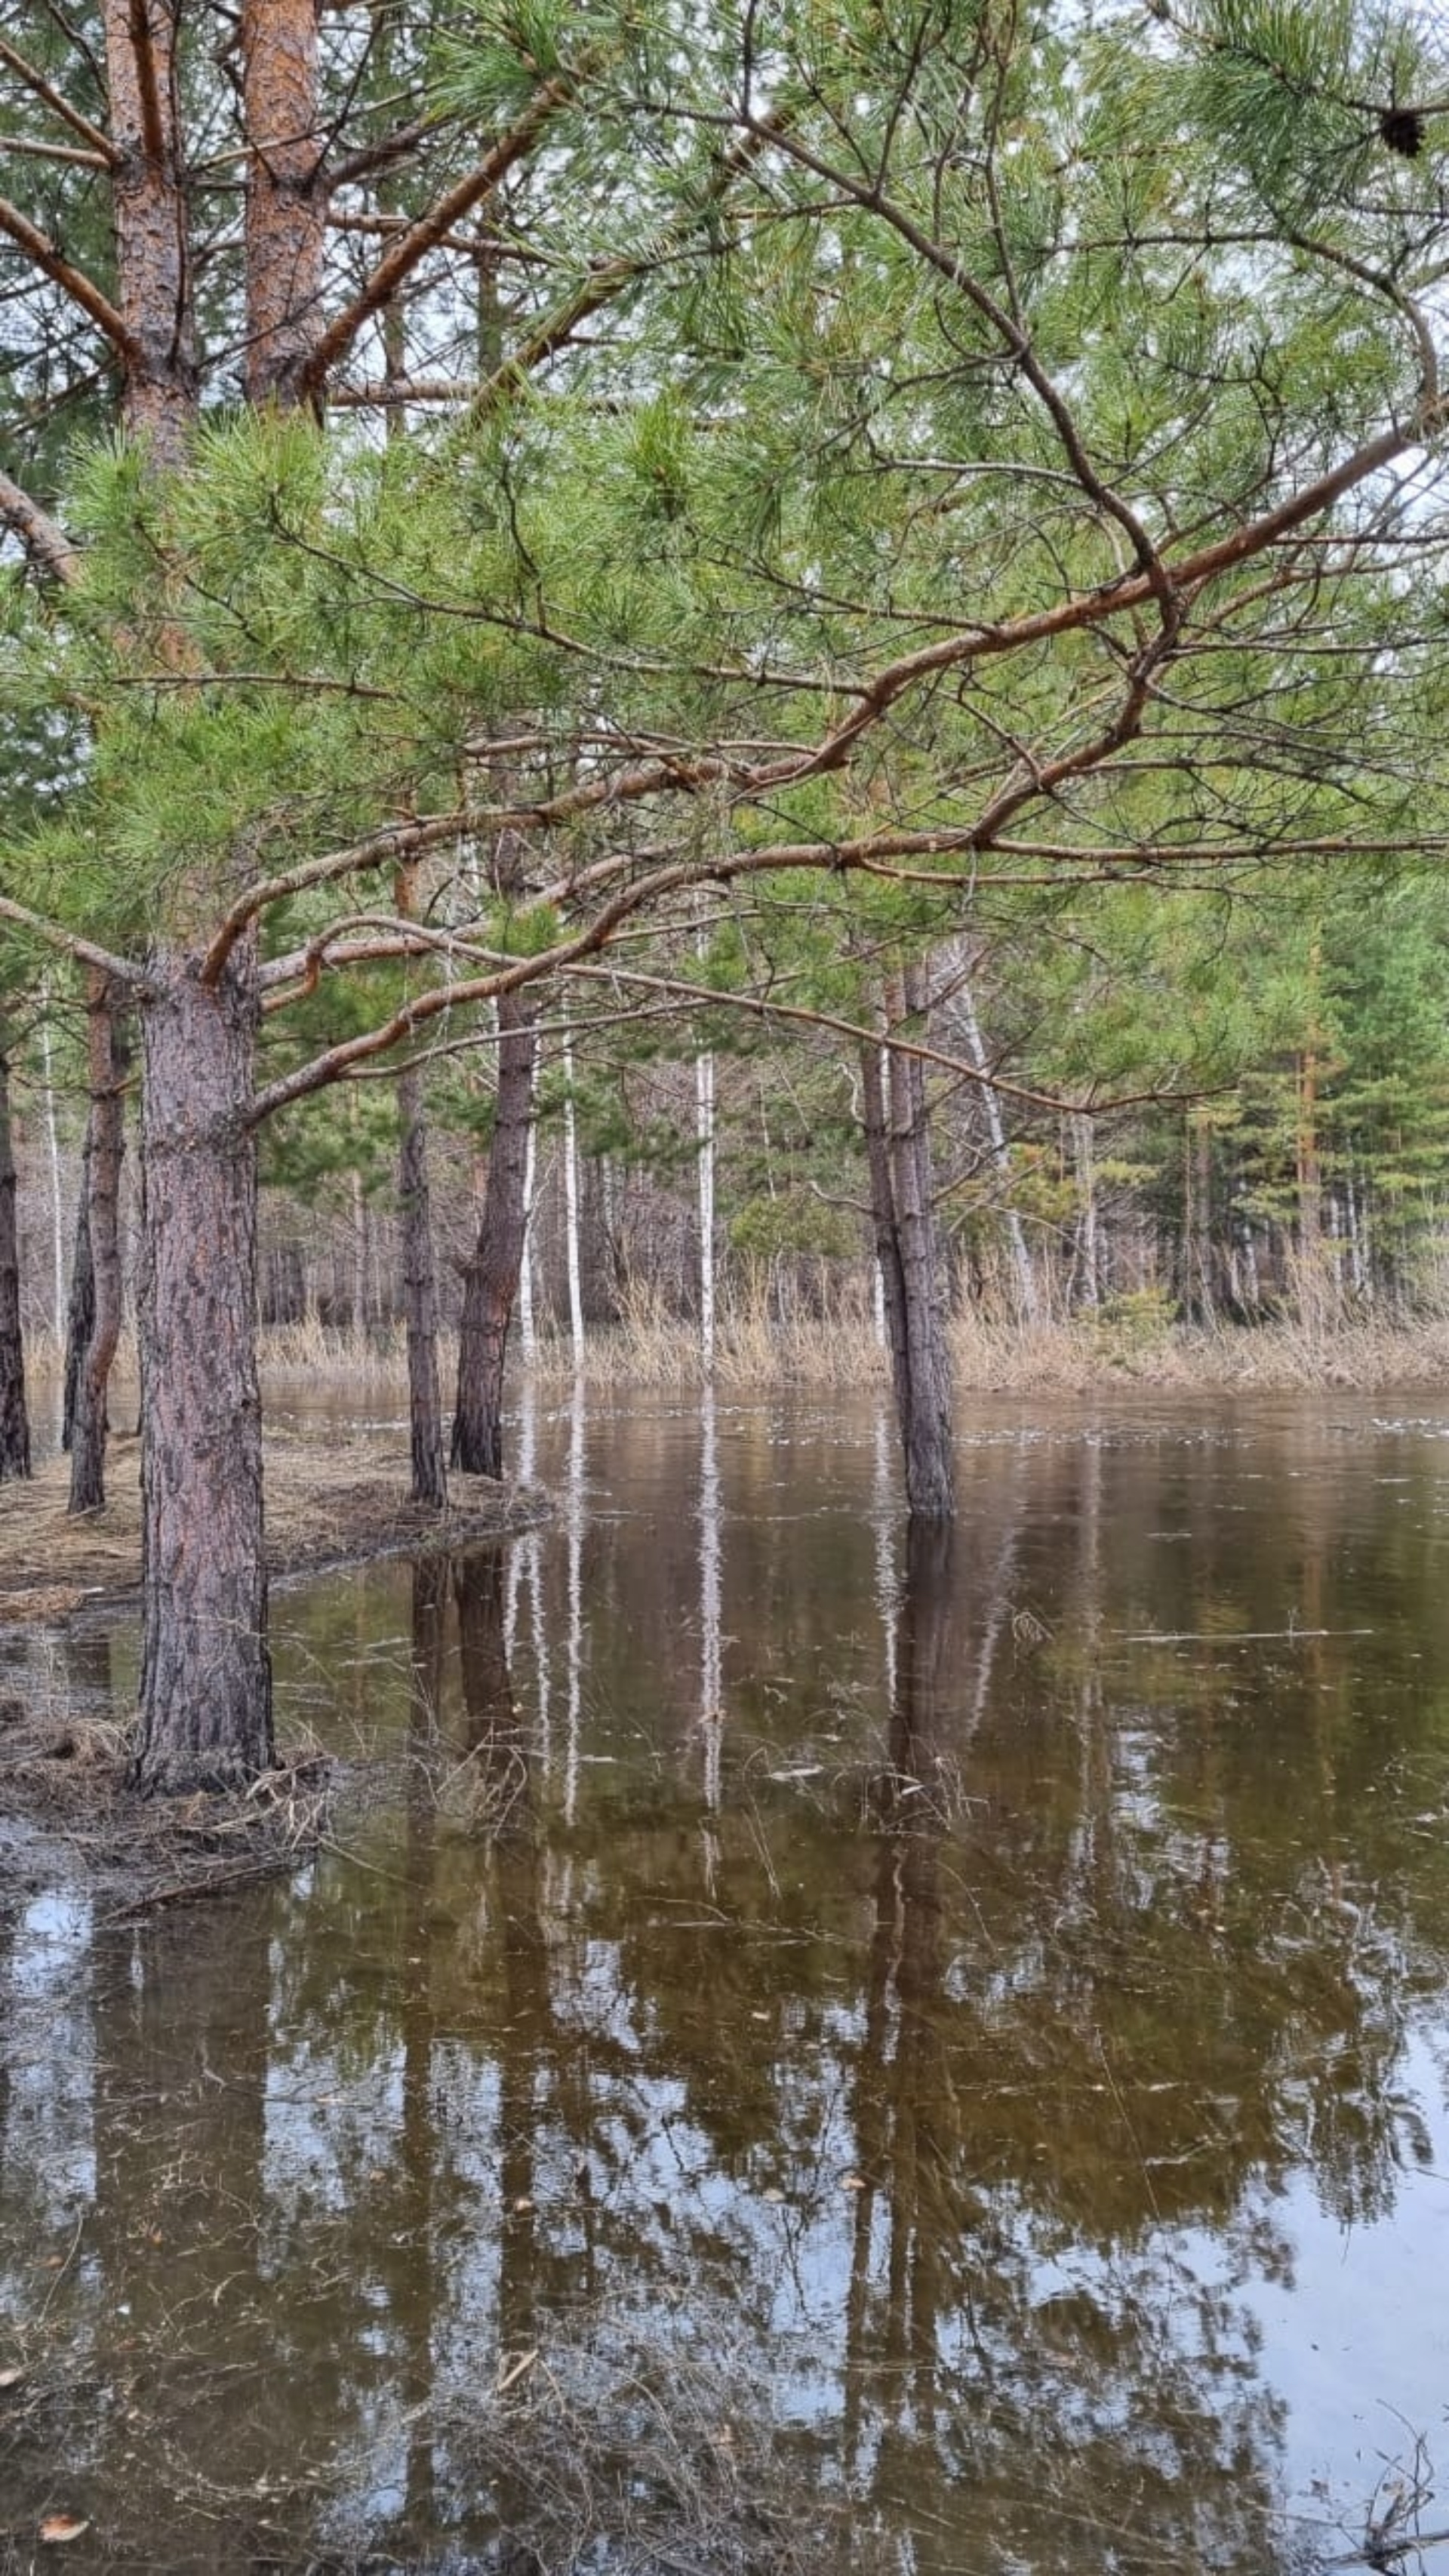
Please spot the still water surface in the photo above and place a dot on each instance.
(971, 2013)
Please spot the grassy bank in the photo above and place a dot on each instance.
(1125, 1345)
(1077, 1359)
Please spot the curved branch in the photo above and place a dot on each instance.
(402, 258)
(871, 198)
(378, 850)
(36, 82)
(616, 276)
(72, 281)
(46, 543)
(123, 970)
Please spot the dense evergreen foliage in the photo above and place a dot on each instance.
(911, 528)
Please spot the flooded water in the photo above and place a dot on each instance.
(958, 2031)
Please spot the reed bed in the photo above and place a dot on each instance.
(1082, 1356)
(1130, 1343)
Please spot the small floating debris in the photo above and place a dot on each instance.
(1232, 1636)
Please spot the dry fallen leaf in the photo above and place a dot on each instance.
(11, 2378)
(62, 2526)
(852, 2182)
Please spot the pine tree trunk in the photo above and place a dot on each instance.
(80, 1313)
(899, 1157)
(52, 1146)
(285, 225)
(420, 1284)
(420, 1295)
(889, 1281)
(14, 1416)
(105, 1148)
(151, 221)
(206, 1697)
(491, 1282)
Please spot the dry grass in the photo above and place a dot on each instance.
(1087, 1355)
(331, 1499)
(651, 2460)
(1130, 1342)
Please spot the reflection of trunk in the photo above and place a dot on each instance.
(181, 2052)
(14, 1416)
(492, 1716)
(904, 2096)
(494, 1739)
(898, 1151)
(419, 2141)
(206, 1697)
(105, 1147)
(491, 1284)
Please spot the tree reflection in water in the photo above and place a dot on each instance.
(925, 2147)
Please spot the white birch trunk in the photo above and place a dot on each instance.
(527, 1330)
(711, 1711)
(1089, 1286)
(571, 1210)
(574, 1524)
(705, 1139)
(1028, 1302)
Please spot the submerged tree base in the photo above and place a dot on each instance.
(68, 1816)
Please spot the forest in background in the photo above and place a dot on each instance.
(818, 633)
(1307, 1183)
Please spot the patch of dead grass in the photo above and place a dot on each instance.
(332, 1498)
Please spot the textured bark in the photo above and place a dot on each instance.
(420, 1295)
(153, 263)
(883, 1220)
(898, 1150)
(206, 1700)
(420, 1286)
(286, 208)
(14, 1416)
(80, 1313)
(491, 1282)
(100, 1215)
